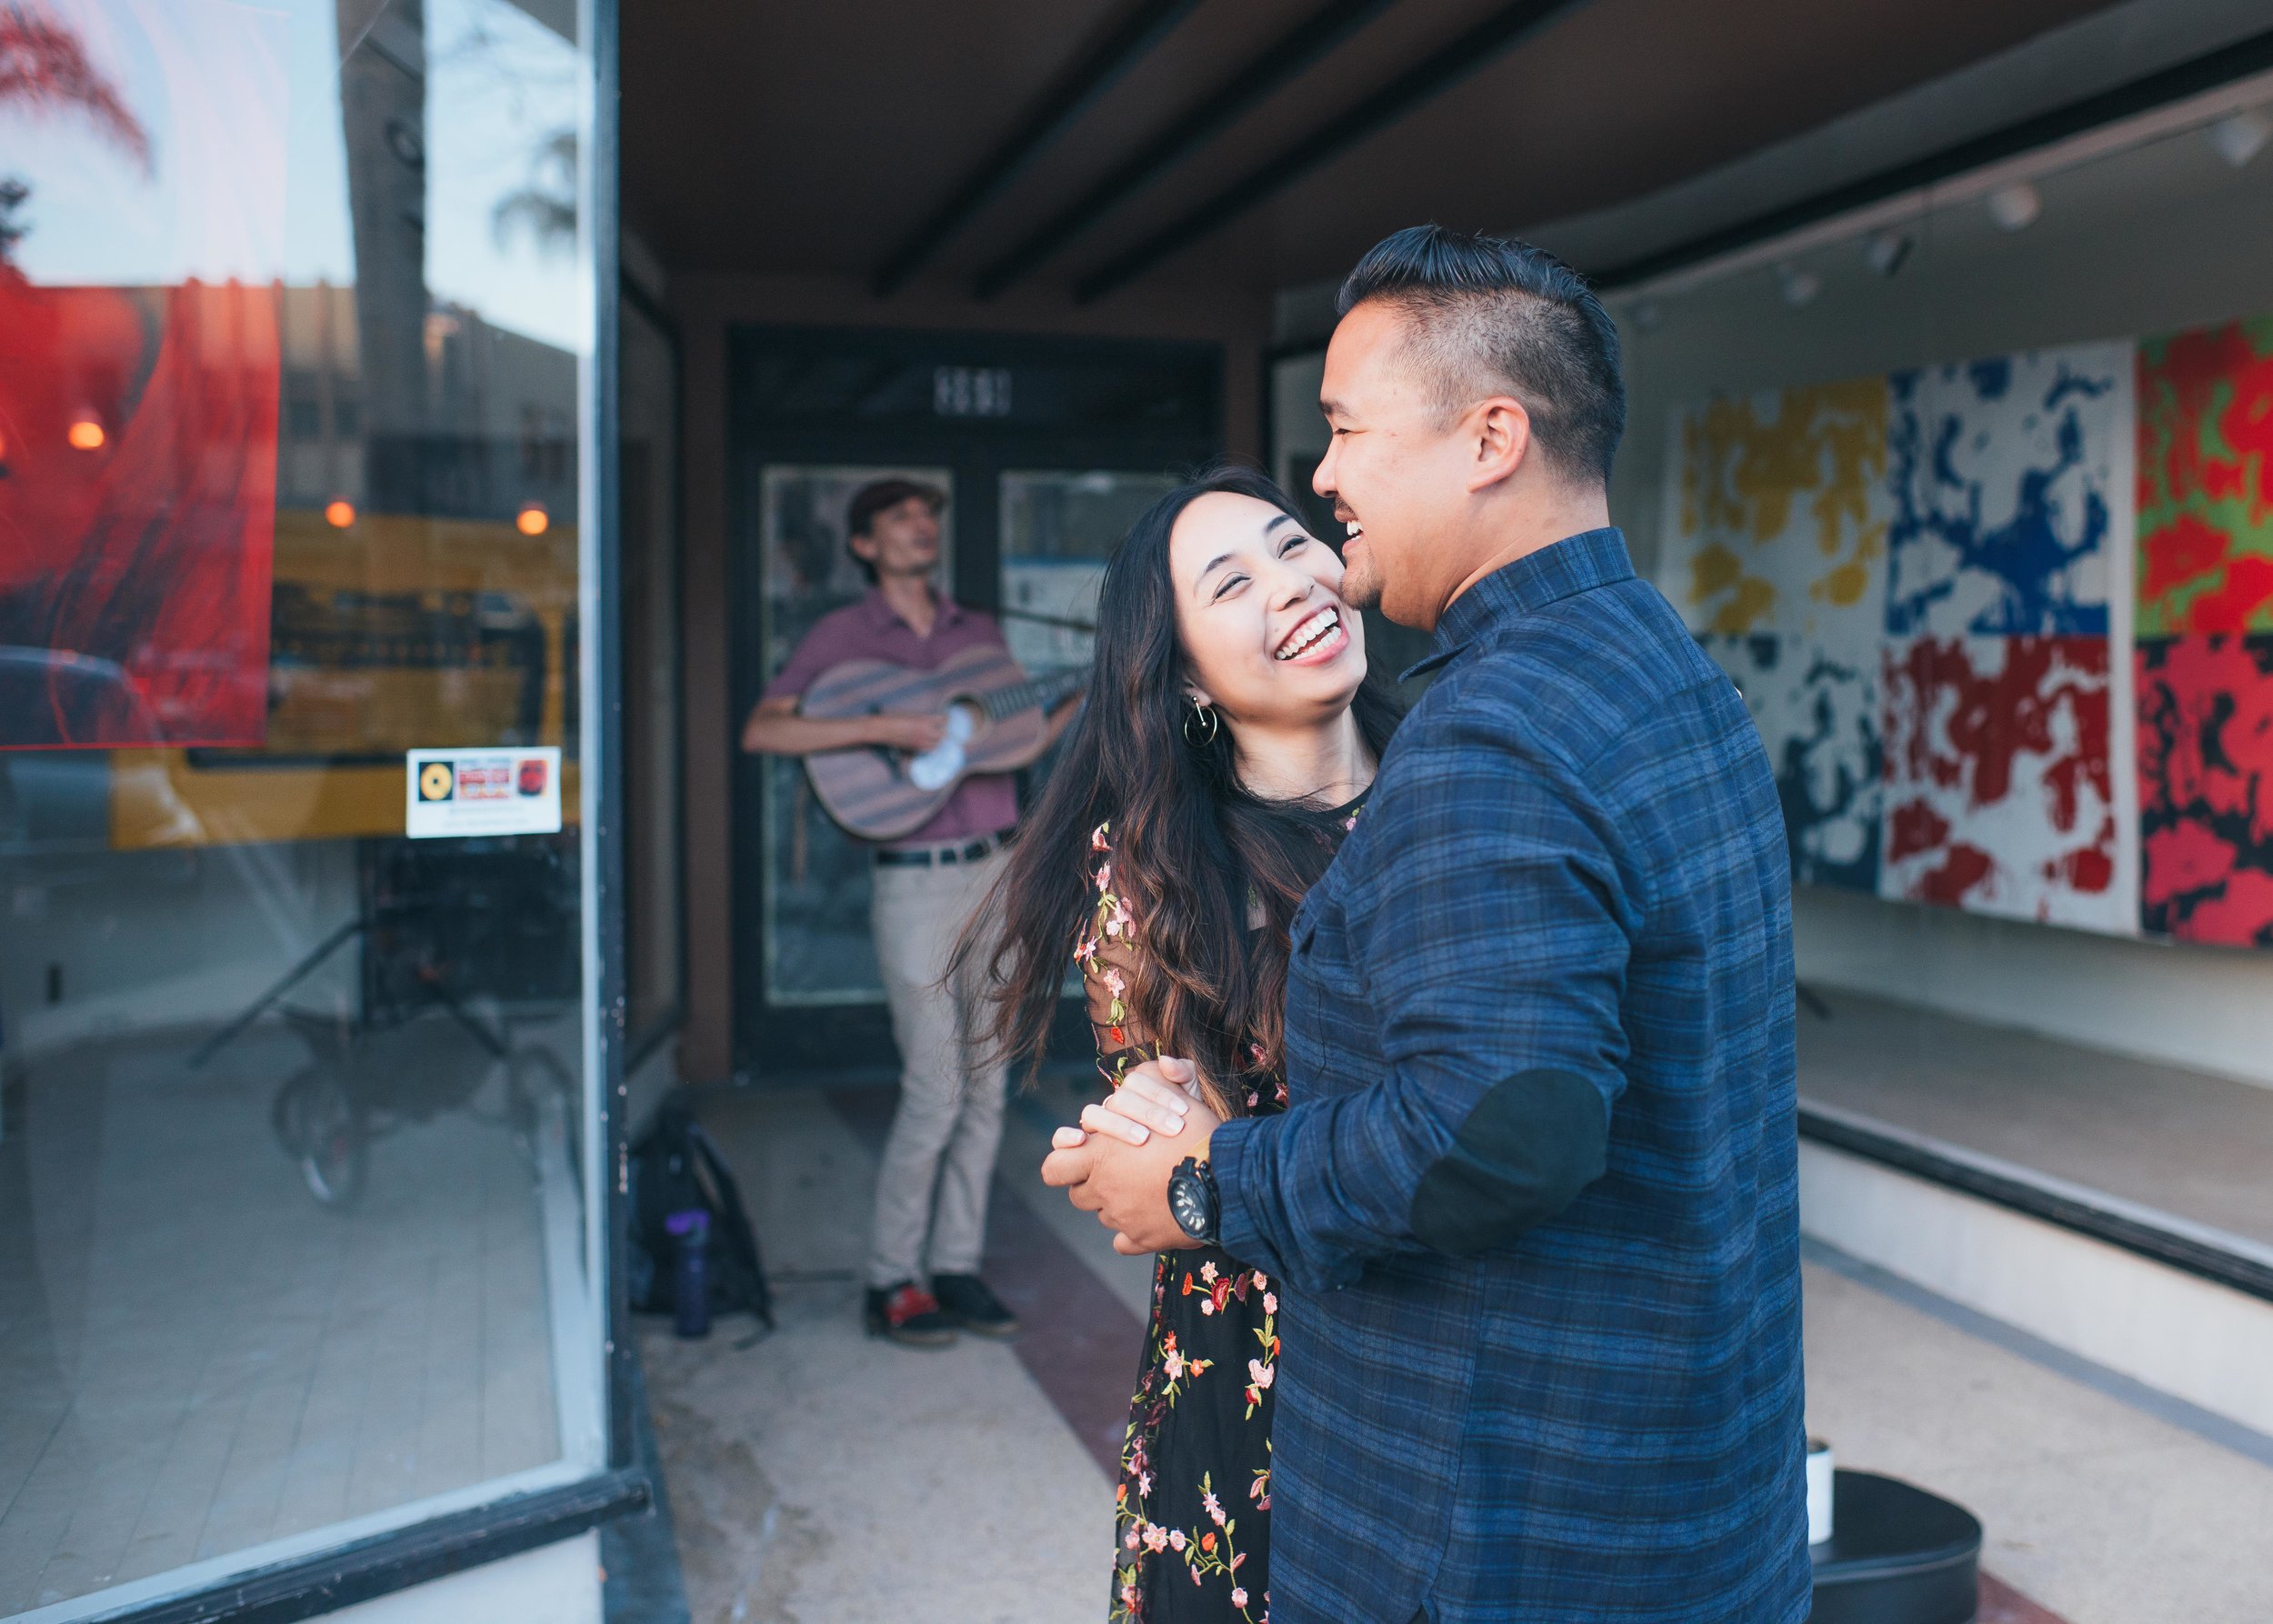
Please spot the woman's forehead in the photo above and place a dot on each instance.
(1218, 523)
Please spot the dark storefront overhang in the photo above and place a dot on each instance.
(1081, 151)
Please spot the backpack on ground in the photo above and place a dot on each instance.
(676, 1166)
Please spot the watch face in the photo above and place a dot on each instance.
(1187, 1203)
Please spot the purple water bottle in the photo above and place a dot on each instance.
(690, 1290)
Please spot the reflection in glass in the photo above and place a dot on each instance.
(293, 1229)
(1058, 526)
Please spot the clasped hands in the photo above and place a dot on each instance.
(1117, 1163)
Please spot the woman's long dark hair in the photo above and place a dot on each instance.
(1190, 844)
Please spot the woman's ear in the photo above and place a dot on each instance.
(1196, 694)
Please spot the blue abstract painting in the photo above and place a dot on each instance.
(1817, 712)
(2008, 477)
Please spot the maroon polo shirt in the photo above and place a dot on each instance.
(983, 803)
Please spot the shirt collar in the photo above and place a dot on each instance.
(881, 615)
(1574, 564)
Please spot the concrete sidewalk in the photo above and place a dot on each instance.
(821, 1477)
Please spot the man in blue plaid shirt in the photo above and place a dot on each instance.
(1533, 1211)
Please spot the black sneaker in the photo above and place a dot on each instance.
(966, 1300)
(908, 1315)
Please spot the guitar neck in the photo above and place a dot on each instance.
(1040, 692)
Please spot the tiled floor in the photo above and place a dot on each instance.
(196, 1359)
(2192, 1145)
(820, 1477)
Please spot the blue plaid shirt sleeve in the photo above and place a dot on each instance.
(1490, 916)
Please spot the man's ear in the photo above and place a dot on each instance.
(1500, 431)
(863, 546)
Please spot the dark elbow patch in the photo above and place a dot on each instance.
(1530, 1145)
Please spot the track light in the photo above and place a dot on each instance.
(1886, 252)
(1798, 287)
(2240, 136)
(2015, 207)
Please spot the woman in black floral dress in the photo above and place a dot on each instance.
(1225, 748)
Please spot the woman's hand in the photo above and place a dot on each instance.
(1160, 1097)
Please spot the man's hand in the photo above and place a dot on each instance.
(913, 733)
(1119, 1168)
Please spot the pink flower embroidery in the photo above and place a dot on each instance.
(1261, 1372)
(1214, 1506)
(1207, 1271)
(1270, 1300)
(1156, 1537)
(1176, 1540)
(1097, 837)
(1238, 1596)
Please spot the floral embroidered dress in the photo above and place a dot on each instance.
(1192, 1515)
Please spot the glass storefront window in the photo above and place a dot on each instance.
(299, 1232)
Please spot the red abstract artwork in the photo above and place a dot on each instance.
(137, 516)
(2205, 480)
(2206, 789)
(141, 214)
(1999, 782)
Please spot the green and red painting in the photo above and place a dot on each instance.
(2205, 480)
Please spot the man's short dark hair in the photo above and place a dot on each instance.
(1490, 316)
(870, 499)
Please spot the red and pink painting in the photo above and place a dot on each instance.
(2206, 789)
(2000, 786)
(141, 225)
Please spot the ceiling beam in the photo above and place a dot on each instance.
(1056, 110)
(1855, 206)
(1423, 82)
(1280, 63)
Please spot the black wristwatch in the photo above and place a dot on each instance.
(1192, 1198)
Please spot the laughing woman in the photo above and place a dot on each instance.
(1227, 745)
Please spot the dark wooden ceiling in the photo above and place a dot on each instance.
(814, 138)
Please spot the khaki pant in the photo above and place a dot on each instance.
(939, 1160)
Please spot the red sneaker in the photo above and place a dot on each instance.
(908, 1315)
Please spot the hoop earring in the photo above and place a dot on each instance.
(1204, 713)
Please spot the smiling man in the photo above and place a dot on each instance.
(1533, 1209)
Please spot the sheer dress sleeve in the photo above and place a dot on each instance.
(1107, 956)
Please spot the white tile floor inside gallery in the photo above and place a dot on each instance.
(174, 1392)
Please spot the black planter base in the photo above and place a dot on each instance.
(1899, 1556)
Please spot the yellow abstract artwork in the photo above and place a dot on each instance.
(1778, 510)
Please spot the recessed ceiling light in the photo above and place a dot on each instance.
(1800, 288)
(2015, 207)
(2240, 136)
(1885, 252)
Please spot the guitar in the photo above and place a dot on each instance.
(995, 723)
